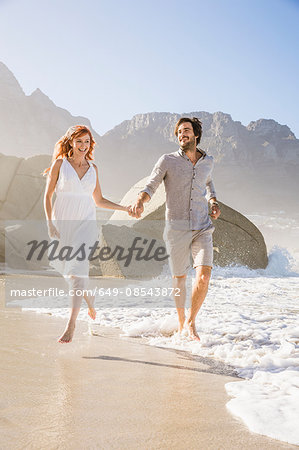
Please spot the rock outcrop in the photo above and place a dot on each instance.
(22, 187)
(30, 124)
(21, 192)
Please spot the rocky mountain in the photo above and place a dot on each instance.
(30, 124)
(227, 140)
(256, 166)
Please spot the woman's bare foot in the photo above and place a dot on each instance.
(68, 334)
(90, 303)
(192, 333)
(92, 313)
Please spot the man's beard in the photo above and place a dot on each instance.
(188, 145)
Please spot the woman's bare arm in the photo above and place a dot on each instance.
(102, 202)
(49, 191)
(50, 187)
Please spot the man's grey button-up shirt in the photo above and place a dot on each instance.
(188, 189)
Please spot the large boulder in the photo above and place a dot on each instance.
(21, 192)
(236, 239)
(22, 187)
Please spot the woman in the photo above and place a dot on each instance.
(72, 220)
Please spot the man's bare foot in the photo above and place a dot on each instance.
(67, 335)
(181, 322)
(183, 333)
(192, 333)
(180, 328)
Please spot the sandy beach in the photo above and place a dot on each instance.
(106, 391)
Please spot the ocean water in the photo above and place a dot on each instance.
(248, 320)
(279, 229)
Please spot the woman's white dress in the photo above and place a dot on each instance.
(74, 215)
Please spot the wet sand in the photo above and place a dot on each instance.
(108, 392)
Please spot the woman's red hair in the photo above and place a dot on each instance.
(63, 147)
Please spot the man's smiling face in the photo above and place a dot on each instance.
(186, 136)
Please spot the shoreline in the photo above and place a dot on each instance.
(105, 391)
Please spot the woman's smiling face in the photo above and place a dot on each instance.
(81, 144)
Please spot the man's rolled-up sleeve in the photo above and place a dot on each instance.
(156, 177)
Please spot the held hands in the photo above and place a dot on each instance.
(52, 231)
(133, 210)
(136, 210)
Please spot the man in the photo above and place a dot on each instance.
(187, 179)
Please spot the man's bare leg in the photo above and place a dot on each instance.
(180, 299)
(199, 292)
(74, 284)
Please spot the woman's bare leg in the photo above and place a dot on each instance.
(90, 303)
(76, 285)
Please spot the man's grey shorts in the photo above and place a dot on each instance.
(182, 245)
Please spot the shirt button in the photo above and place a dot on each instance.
(191, 209)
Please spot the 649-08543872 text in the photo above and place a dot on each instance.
(109, 292)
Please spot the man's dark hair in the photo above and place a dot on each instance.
(196, 125)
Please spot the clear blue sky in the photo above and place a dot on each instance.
(108, 60)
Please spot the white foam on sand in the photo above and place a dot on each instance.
(249, 320)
